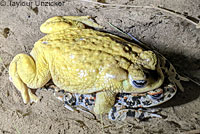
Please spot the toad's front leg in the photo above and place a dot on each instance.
(104, 102)
(26, 73)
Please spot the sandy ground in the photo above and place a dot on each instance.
(174, 37)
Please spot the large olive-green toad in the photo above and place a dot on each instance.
(81, 60)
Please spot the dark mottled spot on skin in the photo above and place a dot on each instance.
(171, 90)
(161, 99)
(93, 95)
(167, 65)
(66, 102)
(81, 98)
(125, 100)
(135, 98)
(130, 113)
(141, 117)
(87, 102)
(113, 113)
(92, 100)
(124, 94)
(163, 70)
(61, 91)
(169, 95)
(138, 102)
(147, 103)
(130, 103)
(112, 116)
(72, 102)
(114, 109)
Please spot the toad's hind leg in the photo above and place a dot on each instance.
(25, 72)
(104, 102)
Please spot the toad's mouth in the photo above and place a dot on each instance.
(139, 83)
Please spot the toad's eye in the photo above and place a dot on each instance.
(139, 83)
(156, 96)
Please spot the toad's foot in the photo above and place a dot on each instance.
(104, 102)
(23, 71)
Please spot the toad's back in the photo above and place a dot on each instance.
(78, 58)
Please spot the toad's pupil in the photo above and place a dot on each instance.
(139, 83)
